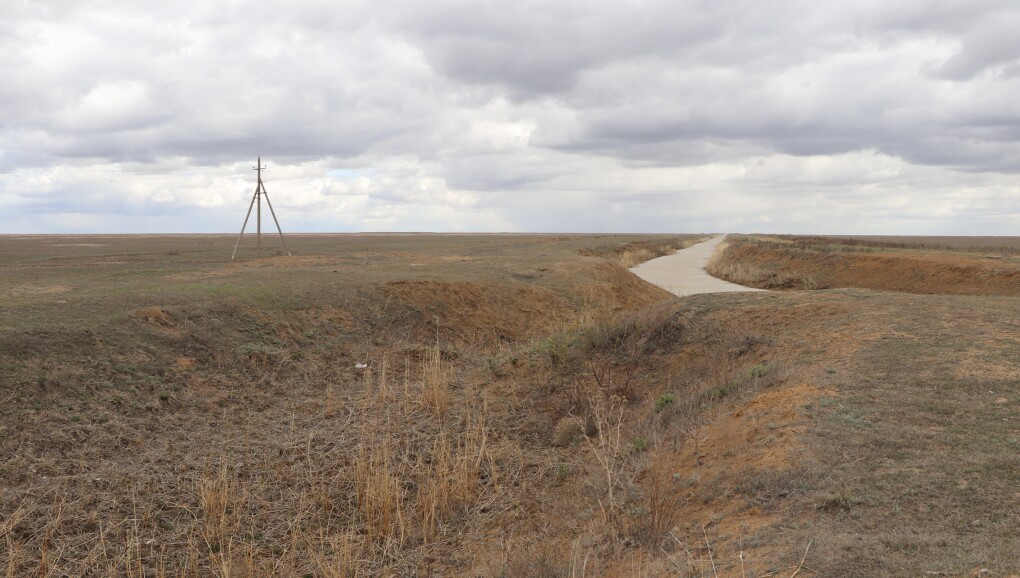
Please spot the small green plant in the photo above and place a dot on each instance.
(665, 400)
(639, 444)
(758, 371)
(717, 393)
(853, 418)
(561, 473)
(164, 396)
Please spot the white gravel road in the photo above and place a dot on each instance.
(683, 273)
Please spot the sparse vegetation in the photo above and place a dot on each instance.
(665, 400)
(925, 266)
(634, 253)
(490, 406)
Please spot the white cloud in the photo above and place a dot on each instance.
(649, 115)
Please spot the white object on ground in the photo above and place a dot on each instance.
(683, 273)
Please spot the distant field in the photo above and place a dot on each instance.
(947, 243)
(501, 406)
(81, 280)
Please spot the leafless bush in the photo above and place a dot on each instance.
(606, 446)
(665, 501)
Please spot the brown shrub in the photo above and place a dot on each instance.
(567, 430)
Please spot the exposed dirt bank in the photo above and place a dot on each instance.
(778, 264)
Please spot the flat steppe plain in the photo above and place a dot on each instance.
(495, 405)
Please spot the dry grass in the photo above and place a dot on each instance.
(869, 243)
(729, 265)
(392, 493)
(784, 262)
(515, 411)
(634, 253)
(256, 434)
(435, 394)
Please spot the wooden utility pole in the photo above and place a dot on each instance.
(256, 201)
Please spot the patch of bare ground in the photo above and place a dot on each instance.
(820, 263)
(517, 411)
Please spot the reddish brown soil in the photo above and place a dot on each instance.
(912, 272)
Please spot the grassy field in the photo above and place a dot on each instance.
(974, 244)
(490, 405)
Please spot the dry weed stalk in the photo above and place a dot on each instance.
(664, 502)
(14, 547)
(717, 360)
(330, 402)
(215, 495)
(379, 494)
(449, 479)
(338, 555)
(383, 392)
(606, 447)
(435, 382)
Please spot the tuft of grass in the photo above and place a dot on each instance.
(665, 400)
(436, 382)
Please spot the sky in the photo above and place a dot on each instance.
(865, 116)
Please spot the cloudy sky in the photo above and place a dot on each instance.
(864, 116)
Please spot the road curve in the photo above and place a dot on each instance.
(683, 273)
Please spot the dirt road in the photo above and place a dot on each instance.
(683, 273)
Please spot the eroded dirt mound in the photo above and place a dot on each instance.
(737, 468)
(761, 434)
(533, 302)
(156, 317)
(474, 311)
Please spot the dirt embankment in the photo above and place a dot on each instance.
(781, 265)
(637, 252)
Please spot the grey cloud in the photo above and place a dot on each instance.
(480, 106)
(533, 48)
(993, 43)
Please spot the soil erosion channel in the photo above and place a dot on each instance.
(683, 273)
